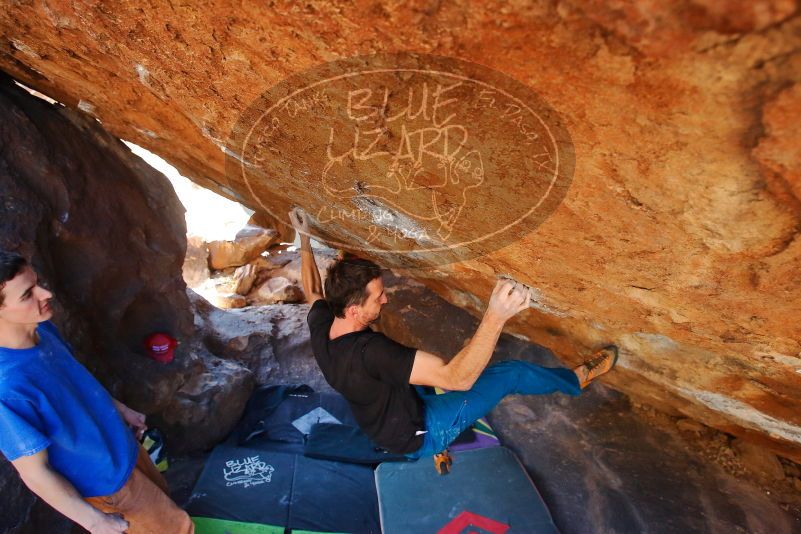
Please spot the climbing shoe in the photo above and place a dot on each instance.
(443, 462)
(602, 362)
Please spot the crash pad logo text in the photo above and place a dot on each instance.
(247, 472)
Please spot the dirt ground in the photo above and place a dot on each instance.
(779, 479)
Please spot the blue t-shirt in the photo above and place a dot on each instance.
(49, 400)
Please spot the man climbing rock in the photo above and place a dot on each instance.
(64, 434)
(384, 381)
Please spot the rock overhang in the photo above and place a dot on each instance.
(676, 238)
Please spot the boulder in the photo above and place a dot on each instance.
(275, 259)
(245, 277)
(107, 233)
(228, 300)
(207, 406)
(271, 341)
(759, 460)
(196, 262)
(246, 247)
(287, 264)
(277, 289)
(689, 425)
(105, 307)
(286, 233)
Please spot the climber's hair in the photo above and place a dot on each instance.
(346, 283)
(11, 264)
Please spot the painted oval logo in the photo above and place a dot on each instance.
(405, 157)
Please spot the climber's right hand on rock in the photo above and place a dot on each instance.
(507, 299)
(299, 220)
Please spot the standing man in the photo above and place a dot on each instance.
(64, 434)
(384, 380)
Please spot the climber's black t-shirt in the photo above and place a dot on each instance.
(372, 372)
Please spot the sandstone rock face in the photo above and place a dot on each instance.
(279, 276)
(244, 278)
(245, 248)
(277, 289)
(271, 278)
(760, 461)
(271, 341)
(196, 261)
(677, 237)
(286, 233)
(229, 300)
(107, 233)
(208, 405)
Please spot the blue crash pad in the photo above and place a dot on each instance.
(487, 491)
(262, 487)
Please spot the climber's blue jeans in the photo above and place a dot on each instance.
(450, 414)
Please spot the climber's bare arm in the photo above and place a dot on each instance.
(461, 372)
(312, 285)
(58, 492)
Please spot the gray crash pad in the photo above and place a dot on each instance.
(487, 491)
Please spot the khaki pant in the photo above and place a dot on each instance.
(144, 502)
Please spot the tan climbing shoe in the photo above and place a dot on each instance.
(602, 362)
(443, 462)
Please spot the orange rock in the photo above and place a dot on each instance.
(229, 300)
(277, 289)
(677, 238)
(196, 261)
(242, 250)
(759, 460)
